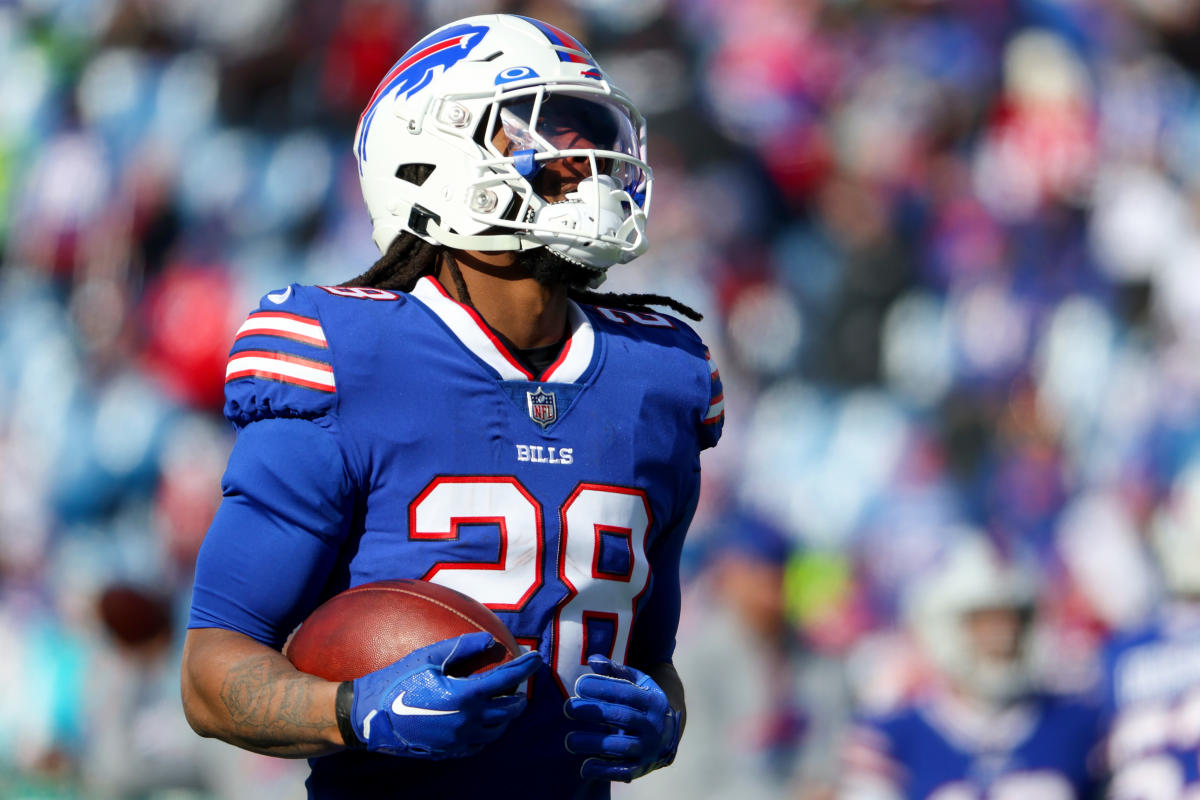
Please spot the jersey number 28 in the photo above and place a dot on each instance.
(593, 514)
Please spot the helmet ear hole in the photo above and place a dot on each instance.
(416, 174)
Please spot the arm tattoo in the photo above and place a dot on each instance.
(271, 706)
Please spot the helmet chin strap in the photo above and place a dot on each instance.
(480, 242)
(509, 243)
(501, 242)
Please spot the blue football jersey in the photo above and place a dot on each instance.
(1152, 706)
(392, 435)
(1042, 749)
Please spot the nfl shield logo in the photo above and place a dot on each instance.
(542, 408)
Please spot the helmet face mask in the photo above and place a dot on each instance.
(525, 143)
(995, 658)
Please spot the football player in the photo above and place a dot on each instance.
(981, 730)
(470, 412)
(1152, 676)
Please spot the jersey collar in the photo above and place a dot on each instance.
(973, 729)
(475, 335)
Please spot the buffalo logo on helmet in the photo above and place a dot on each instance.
(415, 69)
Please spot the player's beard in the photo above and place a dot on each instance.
(552, 270)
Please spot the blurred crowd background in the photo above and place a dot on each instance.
(946, 251)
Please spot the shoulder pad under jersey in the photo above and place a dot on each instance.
(280, 364)
(678, 336)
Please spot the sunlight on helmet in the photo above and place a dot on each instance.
(530, 144)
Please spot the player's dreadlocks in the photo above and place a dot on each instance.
(407, 260)
(410, 258)
(632, 301)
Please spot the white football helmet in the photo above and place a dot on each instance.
(1175, 534)
(484, 103)
(972, 577)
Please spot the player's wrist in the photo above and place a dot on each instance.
(343, 711)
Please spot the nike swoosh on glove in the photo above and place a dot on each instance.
(633, 728)
(413, 708)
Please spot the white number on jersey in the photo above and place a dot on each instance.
(593, 512)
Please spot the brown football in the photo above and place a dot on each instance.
(367, 627)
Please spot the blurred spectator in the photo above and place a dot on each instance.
(981, 725)
(764, 710)
(137, 744)
(1151, 682)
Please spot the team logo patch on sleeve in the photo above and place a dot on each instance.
(281, 367)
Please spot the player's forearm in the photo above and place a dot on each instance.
(245, 693)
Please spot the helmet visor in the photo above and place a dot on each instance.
(566, 126)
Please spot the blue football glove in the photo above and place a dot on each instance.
(413, 708)
(636, 729)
